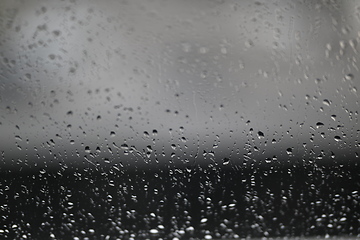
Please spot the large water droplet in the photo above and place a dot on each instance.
(349, 76)
(337, 138)
(260, 135)
(226, 161)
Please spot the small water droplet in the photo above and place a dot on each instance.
(124, 146)
(87, 149)
(289, 151)
(154, 231)
(249, 43)
(149, 148)
(28, 76)
(337, 138)
(155, 132)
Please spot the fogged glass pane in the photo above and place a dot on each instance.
(179, 119)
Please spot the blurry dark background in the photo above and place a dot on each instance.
(179, 119)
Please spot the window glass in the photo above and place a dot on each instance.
(190, 119)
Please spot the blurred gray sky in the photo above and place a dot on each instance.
(209, 70)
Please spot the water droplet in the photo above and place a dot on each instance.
(249, 43)
(28, 76)
(337, 138)
(149, 148)
(326, 102)
(289, 151)
(349, 76)
(18, 138)
(342, 44)
(112, 134)
(226, 161)
(203, 74)
(353, 90)
(155, 132)
(328, 46)
(319, 124)
(87, 149)
(260, 135)
(154, 231)
(110, 150)
(124, 146)
(56, 33)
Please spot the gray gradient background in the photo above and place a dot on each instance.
(208, 70)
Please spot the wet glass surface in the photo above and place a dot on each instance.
(179, 119)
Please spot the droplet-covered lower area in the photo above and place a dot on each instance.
(208, 203)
